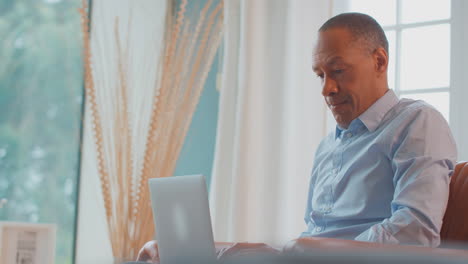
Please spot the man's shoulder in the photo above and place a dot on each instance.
(325, 143)
(330, 137)
(416, 107)
(416, 119)
(424, 130)
(408, 110)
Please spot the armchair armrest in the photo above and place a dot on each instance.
(302, 245)
(224, 244)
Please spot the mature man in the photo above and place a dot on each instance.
(383, 175)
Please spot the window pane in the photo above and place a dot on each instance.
(41, 100)
(424, 10)
(440, 100)
(383, 11)
(425, 57)
(391, 64)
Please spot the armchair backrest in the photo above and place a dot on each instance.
(455, 225)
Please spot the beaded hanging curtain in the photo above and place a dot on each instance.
(191, 40)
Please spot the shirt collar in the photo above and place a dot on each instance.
(373, 116)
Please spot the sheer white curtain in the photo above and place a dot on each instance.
(141, 27)
(271, 119)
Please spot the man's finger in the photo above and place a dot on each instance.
(149, 253)
(143, 255)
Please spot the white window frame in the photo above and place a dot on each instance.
(458, 86)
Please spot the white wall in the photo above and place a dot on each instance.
(459, 77)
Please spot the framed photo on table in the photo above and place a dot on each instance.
(27, 243)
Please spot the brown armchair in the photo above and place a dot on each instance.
(454, 228)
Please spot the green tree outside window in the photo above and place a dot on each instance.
(41, 98)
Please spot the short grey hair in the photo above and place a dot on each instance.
(362, 27)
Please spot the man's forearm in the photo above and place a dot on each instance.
(404, 227)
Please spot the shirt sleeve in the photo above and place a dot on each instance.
(423, 158)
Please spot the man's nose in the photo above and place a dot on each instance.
(330, 87)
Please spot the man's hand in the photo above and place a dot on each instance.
(244, 249)
(149, 252)
(304, 244)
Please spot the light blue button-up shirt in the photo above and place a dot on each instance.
(385, 178)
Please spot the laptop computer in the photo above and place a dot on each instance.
(182, 218)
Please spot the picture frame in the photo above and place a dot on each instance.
(27, 243)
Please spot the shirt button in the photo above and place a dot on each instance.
(335, 171)
(318, 229)
(349, 134)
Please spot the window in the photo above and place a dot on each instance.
(427, 54)
(41, 98)
(419, 43)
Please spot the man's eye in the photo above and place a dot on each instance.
(338, 71)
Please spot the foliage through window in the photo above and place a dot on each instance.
(41, 97)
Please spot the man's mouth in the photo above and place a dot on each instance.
(332, 104)
(336, 105)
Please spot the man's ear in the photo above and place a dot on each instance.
(381, 60)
